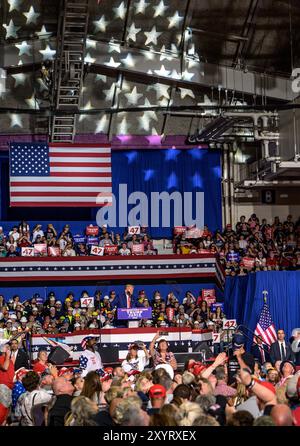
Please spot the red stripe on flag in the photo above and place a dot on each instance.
(78, 155)
(80, 174)
(79, 145)
(79, 164)
(60, 184)
(59, 194)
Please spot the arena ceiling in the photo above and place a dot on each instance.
(141, 54)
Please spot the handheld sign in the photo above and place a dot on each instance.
(92, 230)
(138, 249)
(40, 248)
(27, 252)
(53, 251)
(229, 324)
(216, 338)
(86, 301)
(134, 230)
(97, 250)
(110, 250)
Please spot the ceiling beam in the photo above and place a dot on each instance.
(165, 68)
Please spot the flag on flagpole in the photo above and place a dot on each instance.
(65, 175)
(265, 327)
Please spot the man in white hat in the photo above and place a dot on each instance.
(90, 359)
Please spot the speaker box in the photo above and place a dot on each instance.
(58, 356)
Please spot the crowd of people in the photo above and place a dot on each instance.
(69, 314)
(48, 242)
(148, 389)
(251, 246)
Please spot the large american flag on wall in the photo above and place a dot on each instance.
(60, 175)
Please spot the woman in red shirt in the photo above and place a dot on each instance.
(6, 383)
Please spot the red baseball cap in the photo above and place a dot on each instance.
(157, 391)
(64, 370)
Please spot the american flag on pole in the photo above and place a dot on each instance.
(62, 175)
(265, 327)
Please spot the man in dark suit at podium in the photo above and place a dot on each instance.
(260, 351)
(125, 300)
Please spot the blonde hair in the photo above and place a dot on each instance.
(132, 403)
(82, 411)
(188, 413)
(112, 393)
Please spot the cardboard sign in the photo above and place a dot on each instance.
(216, 305)
(92, 230)
(92, 241)
(27, 252)
(248, 262)
(86, 301)
(110, 250)
(53, 251)
(97, 250)
(204, 251)
(40, 248)
(178, 230)
(208, 292)
(138, 249)
(216, 338)
(194, 233)
(79, 239)
(134, 230)
(229, 324)
(134, 313)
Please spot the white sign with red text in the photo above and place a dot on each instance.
(27, 252)
(97, 250)
(86, 302)
(134, 230)
(229, 324)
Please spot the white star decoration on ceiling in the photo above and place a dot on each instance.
(160, 9)
(102, 124)
(47, 53)
(132, 32)
(109, 94)
(112, 63)
(162, 72)
(114, 47)
(120, 11)
(175, 20)
(128, 61)
(91, 43)
(11, 30)
(100, 25)
(186, 92)
(14, 5)
(123, 127)
(133, 97)
(89, 59)
(140, 6)
(19, 78)
(43, 34)
(88, 106)
(15, 120)
(31, 16)
(23, 48)
(152, 36)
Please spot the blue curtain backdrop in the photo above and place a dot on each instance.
(61, 291)
(192, 170)
(244, 299)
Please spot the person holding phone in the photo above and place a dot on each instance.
(136, 360)
(162, 355)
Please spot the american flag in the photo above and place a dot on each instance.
(265, 327)
(48, 175)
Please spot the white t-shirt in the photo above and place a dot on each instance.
(36, 233)
(138, 363)
(89, 362)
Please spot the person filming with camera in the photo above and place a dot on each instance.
(162, 355)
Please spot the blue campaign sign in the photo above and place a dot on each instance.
(134, 313)
(216, 305)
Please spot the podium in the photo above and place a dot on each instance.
(133, 315)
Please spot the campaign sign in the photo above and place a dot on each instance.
(27, 252)
(97, 250)
(216, 338)
(134, 313)
(194, 233)
(86, 301)
(40, 248)
(248, 262)
(214, 307)
(229, 324)
(178, 230)
(134, 230)
(138, 249)
(53, 251)
(110, 250)
(92, 230)
(92, 241)
(79, 239)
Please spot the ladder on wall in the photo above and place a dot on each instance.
(69, 68)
